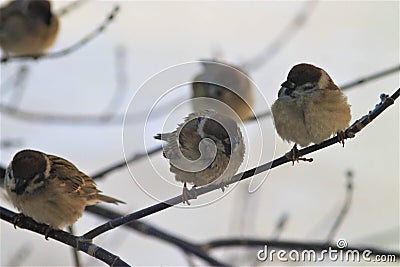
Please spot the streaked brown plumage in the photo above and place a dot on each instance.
(27, 27)
(225, 83)
(50, 189)
(206, 148)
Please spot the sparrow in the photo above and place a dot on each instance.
(224, 83)
(206, 148)
(310, 108)
(50, 189)
(27, 27)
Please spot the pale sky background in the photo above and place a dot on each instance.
(348, 39)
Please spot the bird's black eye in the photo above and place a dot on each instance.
(285, 91)
(288, 84)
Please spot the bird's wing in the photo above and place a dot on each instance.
(71, 178)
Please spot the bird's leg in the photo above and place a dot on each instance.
(223, 186)
(293, 155)
(341, 136)
(47, 232)
(17, 218)
(188, 194)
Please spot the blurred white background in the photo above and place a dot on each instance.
(348, 39)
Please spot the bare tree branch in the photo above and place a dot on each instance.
(316, 246)
(121, 80)
(10, 142)
(63, 237)
(139, 156)
(73, 47)
(16, 81)
(280, 226)
(350, 132)
(75, 254)
(124, 162)
(132, 118)
(371, 77)
(69, 7)
(151, 230)
(283, 38)
(345, 209)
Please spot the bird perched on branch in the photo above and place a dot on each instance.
(206, 148)
(27, 27)
(50, 189)
(310, 108)
(225, 84)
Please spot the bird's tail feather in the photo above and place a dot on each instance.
(109, 199)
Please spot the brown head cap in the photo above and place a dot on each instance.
(28, 163)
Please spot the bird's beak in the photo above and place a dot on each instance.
(287, 88)
(288, 85)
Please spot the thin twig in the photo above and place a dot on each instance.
(73, 47)
(371, 77)
(64, 237)
(282, 39)
(16, 80)
(350, 132)
(289, 245)
(20, 85)
(345, 209)
(280, 226)
(124, 162)
(75, 254)
(32, 116)
(69, 7)
(151, 230)
(121, 80)
(53, 118)
(10, 142)
(189, 259)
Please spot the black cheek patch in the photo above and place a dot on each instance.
(20, 189)
(39, 179)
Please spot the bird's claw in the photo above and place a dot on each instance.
(223, 186)
(294, 155)
(47, 232)
(17, 218)
(188, 194)
(341, 137)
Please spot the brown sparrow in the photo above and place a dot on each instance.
(50, 189)
(224, 83)
(27, 27)
(310, 107)
(206, 148)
